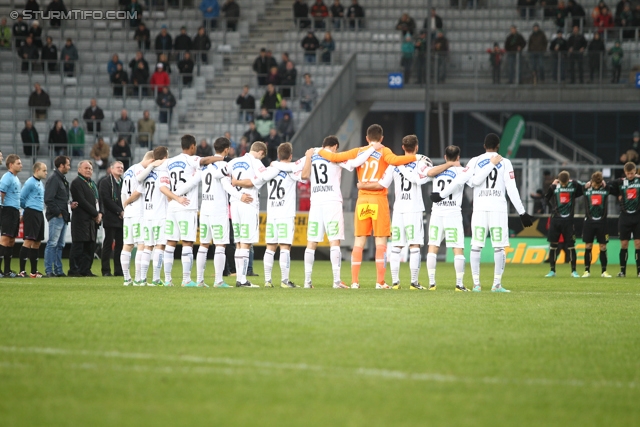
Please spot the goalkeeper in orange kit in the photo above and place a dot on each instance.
(372, 207)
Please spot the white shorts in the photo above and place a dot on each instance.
(407, 229)
(153, 232)
(279, 230)
(448, 228)
(494, 224)
(132, 231)
(325, 218)
(246, 221)
(214, 228)
(181, 225)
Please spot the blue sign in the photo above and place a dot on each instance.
(396, 80)
(638, 80)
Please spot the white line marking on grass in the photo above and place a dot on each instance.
(272, 368)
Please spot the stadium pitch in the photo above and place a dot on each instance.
(91, 352)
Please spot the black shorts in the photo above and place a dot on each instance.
(595, 230)
(562, 227)
(33, 221)
(10, 219)
(628, 225)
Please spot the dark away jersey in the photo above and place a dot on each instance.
(596, 203)
(563, 199)
(629, 190)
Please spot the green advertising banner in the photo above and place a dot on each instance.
(512, 136)
(535, 250)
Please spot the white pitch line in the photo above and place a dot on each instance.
(272, 367)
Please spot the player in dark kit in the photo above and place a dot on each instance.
(628, 189)
(595, 222)
(562, 195)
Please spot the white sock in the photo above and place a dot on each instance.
(144, 264)
(168, 262)
(475, 265)
(242, 262)
(309, 256)
(285, 264)
(394, 263)
(500, 259)
(125, 260)
(414, 264)
(187, 262)
(268, 264)
(201, 263)
(157, 255)
(458, 264)
(336, 263)
(431, 267)
(219, 260)
(138, 264)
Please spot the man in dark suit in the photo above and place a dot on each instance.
(109, 189)
(85, 221)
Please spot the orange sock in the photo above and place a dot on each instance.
(356, 260)
(381, 267)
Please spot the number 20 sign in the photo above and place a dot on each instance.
(396, 80)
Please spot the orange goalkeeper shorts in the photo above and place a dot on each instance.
(372, 215)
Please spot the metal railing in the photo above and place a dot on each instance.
(560, 144)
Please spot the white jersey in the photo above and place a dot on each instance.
(216, 188)
(130, 184)
(281, 194)
(408, 180)
(155, 203)
(453, 203)
(248, 167)
(184, 173)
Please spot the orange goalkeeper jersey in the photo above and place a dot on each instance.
(374, 168)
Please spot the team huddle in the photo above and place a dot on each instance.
(160, 199)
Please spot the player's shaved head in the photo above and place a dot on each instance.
(491, 141)
(187, 141)
(148, 155)
(160, 153)
(629, 166)
(410, 143)
(563, 177)
(452, 153)
(221, 144)
(284, 151)
(37, 166)
(597, 178)
(259, 147)
(374, 133)
(331, 141)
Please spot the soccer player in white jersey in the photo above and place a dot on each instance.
(182, 219)
(490, 209)
(214, 214)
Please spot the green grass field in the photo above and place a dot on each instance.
(560, 351)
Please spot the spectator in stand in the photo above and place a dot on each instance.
(164, 42)
(5, 34)
(635, 142)
(355, 13)
(597, 10)
(227, 135)
(301, 14)
(561, 13)
(264, 122)
(166, 101)
(527, 10)
(201, 44)
(285, 127)
(110, 190)
(406, 62)
(636, 16)
(281, 111)
(75, 138)
(204, 149)
(271, 99)
(282, 67)
(513, 45)
(441, 51)
(185, 67)
(604, 21)
(143, 37)
(69, 57)
(577, 45)
(93, 115)
(626, 21)
(260, 67)
(124, 127)
(100, 153)
(432, 23)
(112, 66)
(310, 44)
(596, 52)
(136, 10)
(337, 13)
(30, 139)
(319, 12)
(231, 11)
(558, 48)
(308, 93)
(36, 34)
(164, 60)
(273, 78)
(251, 135)
(420, 56)
(56, 6)
(495, 59)
(618, 12)
(39, 98)
(548, 8)
(578, 15)
(183, 42)
(247, 105)
(122, 152)
(50, 56)
(210, 12)
(119, 81)
(58, 139)
(271, 61)
(406, 25)
(243, 146)
(29, 54)
(139, 79)
(273, 140)
(133, 64)
(326, 47)
(289, 80)
(537, 47)
(616, 54)
(146, 130)
(20, 31)
(159, 79)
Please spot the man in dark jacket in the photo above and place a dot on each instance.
(166, 101)
(20, 31)
(185, 67)
(247, 104)
(109, 189)
(577, 13)
(133, 64)
(558, 48)
(577, 45)
(513, 45)
(56, 199)
(537, 47)
(301, 14)
(310, 44)
(39, 98)
(201, 44)
(261, 67)
(164, 42)
(85, 222)
(432, 23)
(231, 11)
(183, 42)
(596, 50)
(142, 36)
(29, 54)
(30, 139)
(49, 56)
(93, 114)
(355, 11)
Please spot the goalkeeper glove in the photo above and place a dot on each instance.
(526, 219)
(435, 197)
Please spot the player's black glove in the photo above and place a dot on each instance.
(526, 219)
(435, 197)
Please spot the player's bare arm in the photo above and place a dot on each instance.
(306, 170)
(437, 170)
(171, 196)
